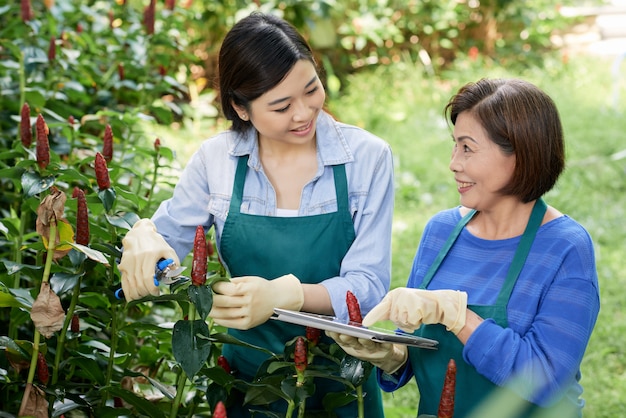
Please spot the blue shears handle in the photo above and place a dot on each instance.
(161, 267)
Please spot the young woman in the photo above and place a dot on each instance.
(301, 204)
(505, 283)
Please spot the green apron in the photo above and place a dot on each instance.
(430, 366)
(309, 247)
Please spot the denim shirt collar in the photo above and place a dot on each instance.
(332, 147)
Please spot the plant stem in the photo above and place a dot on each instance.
(61, 341)
(359, 393)
(36, 337)
(182, 377)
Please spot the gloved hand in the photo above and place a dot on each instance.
(247, 301)
(410, 308)
(386, 356)
(143, 248)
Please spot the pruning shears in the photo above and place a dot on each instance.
(164, 273)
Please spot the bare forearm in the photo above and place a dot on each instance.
(472, 321)
(316, 299)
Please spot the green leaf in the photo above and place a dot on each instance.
(89, 369)
(123, 220)
(107, 197)
(355, 370)
(33, 183)
(8, 301)
(142, 405)
(189, 350)
(202, 298)
(91, 253)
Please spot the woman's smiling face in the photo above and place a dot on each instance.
(481, 169)
(288, 112)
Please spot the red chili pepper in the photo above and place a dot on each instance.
(313, 335)
(52, 49)
(354, 310)
(26, 9)
(102, 172)
(223, 363)
(107, 147)
(300, 355)
(26, 130)
(75, 324)
(43, 374)
(198, 266)
(43, 147)
(446, 402)
(220, 410)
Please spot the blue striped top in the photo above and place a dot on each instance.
(551, 312)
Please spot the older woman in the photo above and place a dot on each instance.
(504, 282)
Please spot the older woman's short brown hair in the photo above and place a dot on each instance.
(522, 120)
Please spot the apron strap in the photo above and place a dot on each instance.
(240, 178)
(339, 175)
(446, 248)
(523, 249)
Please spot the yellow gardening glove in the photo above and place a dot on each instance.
(247, 301)
(143, 248)
(388, 357)
(410, 308)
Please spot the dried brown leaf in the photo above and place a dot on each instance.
(47, 313)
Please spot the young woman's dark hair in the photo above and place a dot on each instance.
(256, 55)
(522, 120)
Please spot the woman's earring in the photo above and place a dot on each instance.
(244, 117)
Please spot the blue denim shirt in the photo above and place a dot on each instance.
(202, 197)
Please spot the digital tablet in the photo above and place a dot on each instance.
(330, 323)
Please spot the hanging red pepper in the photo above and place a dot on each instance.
(199, 266)
(354, 310)
(26, 131)
(43, 147)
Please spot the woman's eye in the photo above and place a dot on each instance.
(466, 148)
(282, 109)
(313, 90)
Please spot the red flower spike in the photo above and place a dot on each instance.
(43, 374)
(313, 335)
(52, 49)
(120, 71)
(220, 410)
(102, 172)
(446, 402)
(75, 324)
(223, 363)
(354, 310)
(300, 355)
(71, 120)
(157, 144)
(26, 131)
(43, 147)
(170, 4)
(198, 266)
(107, 147)
(148, 17)
(27, 10)
(82, 217)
